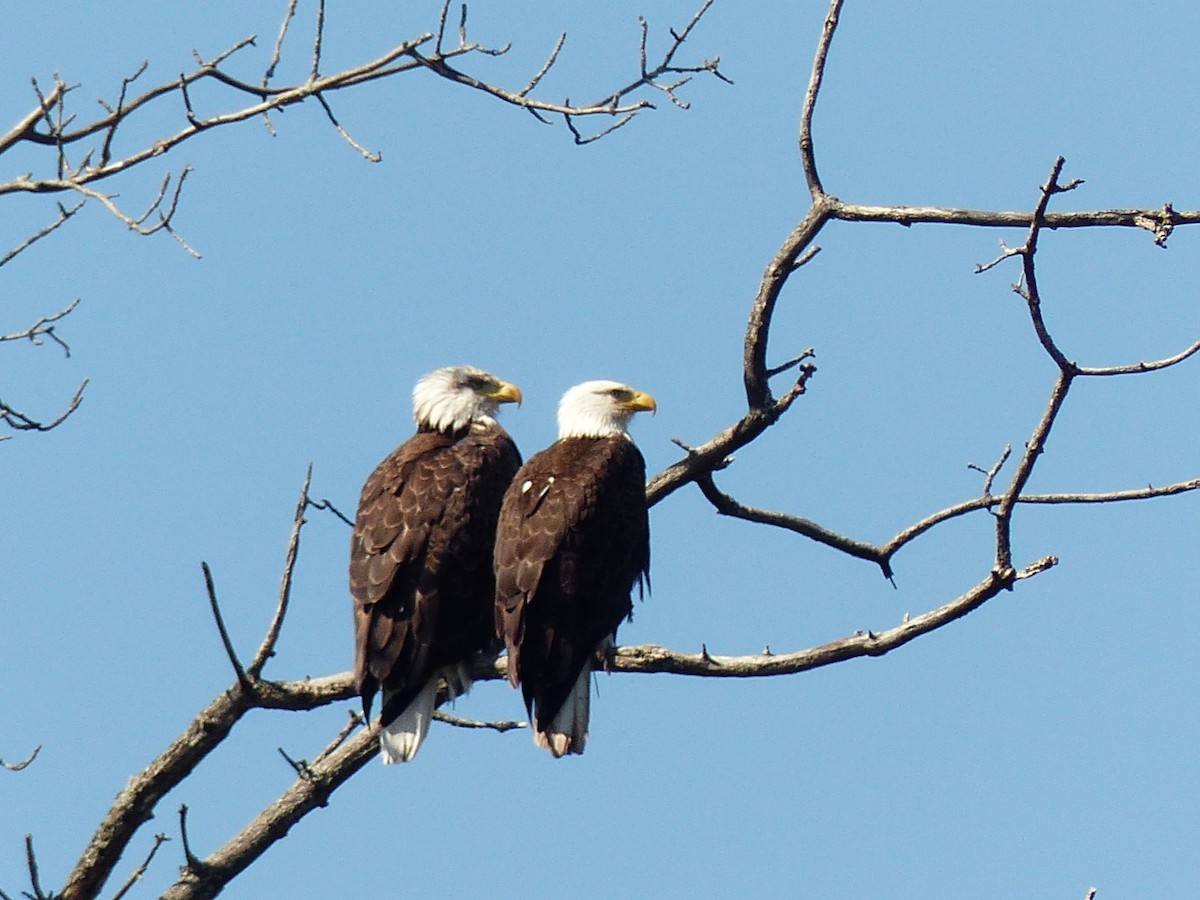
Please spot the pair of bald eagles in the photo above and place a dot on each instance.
(457, 547)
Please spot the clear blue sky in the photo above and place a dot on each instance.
(1044, 744)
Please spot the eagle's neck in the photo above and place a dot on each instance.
(450, 412)
(592, 424)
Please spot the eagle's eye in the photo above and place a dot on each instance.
(620, 394)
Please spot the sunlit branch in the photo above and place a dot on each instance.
(267, 649)
(808, 158)
(727, 506)
(63, 215)
(19, 421)
(316, 781)
(1062, 385)
(140, 871)
(1140, 368)
(502, 725)
(43, 328)
(714, 453)
(311, 790)
(25, 763)
(35, 880)
(883, 554)
(1146, 219)
(226, 642)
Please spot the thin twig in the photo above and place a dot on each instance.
(159, 840)
(727, 506)
(441, 29)
(459, 722)
(299, 766)
(883, 554)
(63, 215)
(791, 363)
(277, 53)
(324, 504)
(356, 722)
(17, 767)
(541, 73)
(367, 154)
(1140, 368)
(267, 648)
(194, 863)
(34, 878)
(117, 114)
(19, 421)
(243, 679)
(315, 72)
(806, 257)
(44, 327)
(1029, 270)
(808, 158)
(989, 475)
(578, 136)
(1033, 449)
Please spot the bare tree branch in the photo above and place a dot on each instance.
(230, 652)
(18, 766)
(934, 215)
(356, 721)
(882, 554)
(404, 57)
(48, 124)
(1067, 372)
(317, 781)
(727, 506)
(159, 840)
(808, 158)
(310, 791)
(135, 804)
(35, 880)
(267, 648)
(324, 504)
(458, 722)
(366, 154)
(44, 327)
(1140, 368)
(714, 453)
(614, 104)
(659, 660)
(19, 421)
(63, 215)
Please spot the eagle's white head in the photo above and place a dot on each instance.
(600, 409)
(452, 398)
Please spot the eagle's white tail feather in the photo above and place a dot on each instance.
(568, 732)
(400, 740)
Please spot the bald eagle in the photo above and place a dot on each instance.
(421, 553)
(573, 540)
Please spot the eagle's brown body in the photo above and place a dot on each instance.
(572, 541)
(421, 560)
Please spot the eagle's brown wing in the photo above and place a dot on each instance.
(572, 541)
(421, 559)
